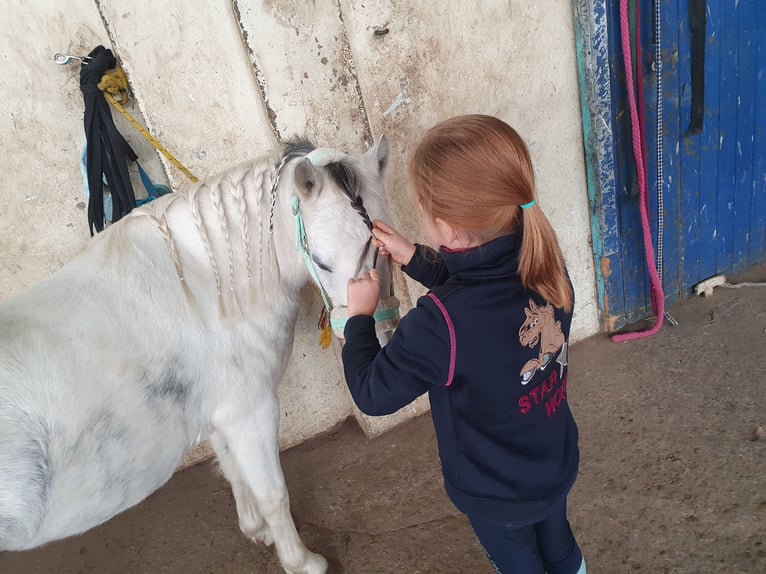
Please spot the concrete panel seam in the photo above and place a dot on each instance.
(259, 77)
(348, 54)
(107, 28)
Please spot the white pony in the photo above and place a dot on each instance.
(176, 325)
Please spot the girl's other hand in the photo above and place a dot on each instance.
(390, 242)
(363, 294)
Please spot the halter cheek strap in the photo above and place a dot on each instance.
(302, 245)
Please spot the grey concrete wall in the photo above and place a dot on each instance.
(220, 81)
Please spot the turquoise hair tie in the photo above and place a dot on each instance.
(530, 204)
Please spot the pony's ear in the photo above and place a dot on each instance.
(382, 153)
(307, 178)
(379, 154)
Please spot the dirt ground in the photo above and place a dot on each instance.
(670, 480)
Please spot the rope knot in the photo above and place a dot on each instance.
(115, 83)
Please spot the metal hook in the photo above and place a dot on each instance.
(64, 59)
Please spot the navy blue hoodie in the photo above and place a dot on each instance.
(493, 358)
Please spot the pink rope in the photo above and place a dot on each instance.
(640, 87)
(658, 296)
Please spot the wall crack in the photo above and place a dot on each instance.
(260, 79)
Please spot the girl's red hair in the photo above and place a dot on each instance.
(474, 172)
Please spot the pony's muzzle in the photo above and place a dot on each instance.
(386, 319)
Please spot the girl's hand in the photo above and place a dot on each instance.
(391, 243)
(363, 294)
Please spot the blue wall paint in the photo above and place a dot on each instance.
(594, 75)
(709, 156)
(758, 221)
(714, 183)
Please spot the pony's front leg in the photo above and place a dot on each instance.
(251, 522)
(252, 446)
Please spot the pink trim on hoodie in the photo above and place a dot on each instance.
(452, 340)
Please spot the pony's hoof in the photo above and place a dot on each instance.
(314, 564)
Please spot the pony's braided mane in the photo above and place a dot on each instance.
(244, 183)
(346, 179)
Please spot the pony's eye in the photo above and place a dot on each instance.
(320, 264)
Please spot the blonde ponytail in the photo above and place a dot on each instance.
(541, 265)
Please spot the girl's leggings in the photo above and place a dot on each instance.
(547, 546)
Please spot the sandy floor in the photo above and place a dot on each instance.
(669, 481)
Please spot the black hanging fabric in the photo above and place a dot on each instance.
(697, 24)
(108, 152)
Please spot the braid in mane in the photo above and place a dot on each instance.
(346, 179)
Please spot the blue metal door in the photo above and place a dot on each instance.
(714, 182)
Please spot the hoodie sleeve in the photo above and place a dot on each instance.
(382, 381)
(426, 267)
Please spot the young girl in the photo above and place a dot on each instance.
(488, 343)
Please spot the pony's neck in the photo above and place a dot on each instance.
(226, 248)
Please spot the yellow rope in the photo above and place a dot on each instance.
(114, 84)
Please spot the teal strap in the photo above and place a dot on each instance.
(152, 191)
(148, 185)
(530, 204)
(379, 316)
(302, 245)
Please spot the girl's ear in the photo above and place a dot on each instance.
(447, 234)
